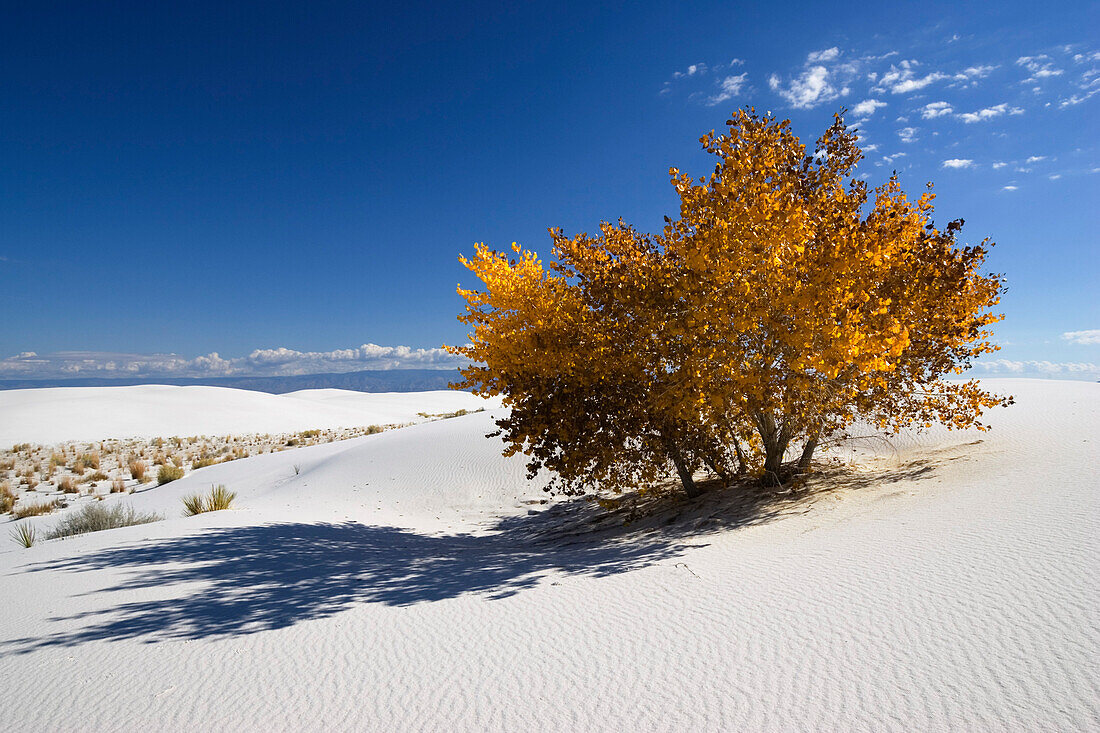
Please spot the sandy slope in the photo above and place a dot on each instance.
(402, 581)
(95, 413)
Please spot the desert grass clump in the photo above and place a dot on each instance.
(118, 485)
(30, 479)
(24, 535)
(34, 510)
(91, 460)
(374, 429)
(93, 477)
(203, 462)
(95, 517)
(67, 484)
(219, 498)
(7, 498)
(168, 473)
(137, 469)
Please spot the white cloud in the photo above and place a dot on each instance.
(261, 362)
(935, 109)
(1040, 67)
(1088, 337)
(692, 70)
(998, 165)
(1010, 188)
(958, 163)
(1075, 99)
(870, 148)
(824, 77)
(892, 158)
(974, 72)
(728, 88)
(902, 79)
(1072, 370)
(907, 134)
(867, 107)
(817, 57)
(809, 89)
(989, 113)
(1054, 176)
(1035, 158)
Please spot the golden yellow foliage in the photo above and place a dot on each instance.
(773, 310)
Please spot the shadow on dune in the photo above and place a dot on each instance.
(241, 580)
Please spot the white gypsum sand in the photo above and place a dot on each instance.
(51, 415)
(411, 581)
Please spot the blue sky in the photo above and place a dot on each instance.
(277, 188)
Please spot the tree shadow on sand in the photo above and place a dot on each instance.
(242, 580)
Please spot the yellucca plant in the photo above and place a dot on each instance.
(787, 301)
(217, 499)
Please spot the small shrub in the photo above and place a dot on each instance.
(309, 433)
(7, 498)
(219, 498)
(96, 517)
(137, 469)
(203, 463)
(67, 484)
(91, 460)
(25, 535)
(93, 477)
(34, 510)
(374, 429)
(168, 473)
(118, 485)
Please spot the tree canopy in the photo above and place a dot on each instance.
(786, 302)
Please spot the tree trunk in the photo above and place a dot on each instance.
(742, 464)
(714, 464)
(773, 456)
(775, 438)
(682, 469)
(807, 454)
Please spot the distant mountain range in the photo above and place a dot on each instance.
(390, 380)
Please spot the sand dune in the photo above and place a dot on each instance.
(94, 413)
(411, 581)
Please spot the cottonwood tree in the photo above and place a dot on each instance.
(786, 302)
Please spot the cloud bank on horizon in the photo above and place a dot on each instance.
(280, 362)
(283, 362)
